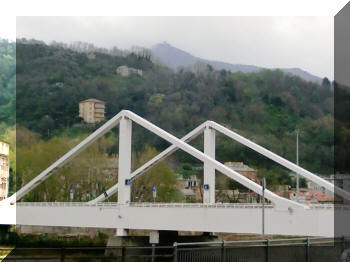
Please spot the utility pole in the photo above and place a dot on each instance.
(263, 207)
(297, 160)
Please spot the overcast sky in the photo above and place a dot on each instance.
(304, 42)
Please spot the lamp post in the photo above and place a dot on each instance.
(297, 160)
(263, 207)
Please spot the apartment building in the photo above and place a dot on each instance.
(4, 169)
(92, 110)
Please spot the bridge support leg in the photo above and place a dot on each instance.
(124, 183)
(209, 170)
(153, 239)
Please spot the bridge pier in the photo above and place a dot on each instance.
(124, 178)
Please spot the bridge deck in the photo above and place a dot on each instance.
(230, 218)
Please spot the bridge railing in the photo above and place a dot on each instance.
(286, 250)
(294, 249)
(142, 204)
(171, 205)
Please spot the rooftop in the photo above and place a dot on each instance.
(310, 194)
(239, 166)
(93, 100)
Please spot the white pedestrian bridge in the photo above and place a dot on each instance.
(316, 220)
(281, 217)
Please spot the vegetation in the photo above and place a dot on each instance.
(90, 173)
(161, 176)
(12, 238)
(342, 129)
(7, 83)
(266, 107)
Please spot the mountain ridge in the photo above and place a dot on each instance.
(175, 57)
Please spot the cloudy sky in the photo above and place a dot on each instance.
(304, 42)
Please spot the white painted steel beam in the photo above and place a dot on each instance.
(289, 165)
(228, 218)
(177, 143)
(280, 202)
(124, 167)
(64, 159)
(149, 164)
(284, 162)
(209, 168)
(286, 216)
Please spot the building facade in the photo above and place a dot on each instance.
(4, 169)
(92, 110)
(126, 71)
(190, 188)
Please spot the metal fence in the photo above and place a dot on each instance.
(275, 250)
(93, 254)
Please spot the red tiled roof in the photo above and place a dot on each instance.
(315, 194)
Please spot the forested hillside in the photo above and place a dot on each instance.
(7, 83)
(266, 106)
(8, 101)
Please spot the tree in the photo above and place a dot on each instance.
(89, 173)
(326, 83)
(160, 175)
(46, 124)
(265, 106)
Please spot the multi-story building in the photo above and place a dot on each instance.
(92, 110)
(4, 169)
(190, 187)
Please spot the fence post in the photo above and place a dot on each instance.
(343, 243)
(123, 254)
(175, 252)
(63, 254)
(307, 249)
(267, 258)
(223, 253)
(153, 252)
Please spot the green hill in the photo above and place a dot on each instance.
(7, 82)
(264, 106)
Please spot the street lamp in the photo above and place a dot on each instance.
(297, 160)
(263, 207)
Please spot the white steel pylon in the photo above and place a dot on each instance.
(207, 157)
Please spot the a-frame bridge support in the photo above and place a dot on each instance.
(125, 119)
